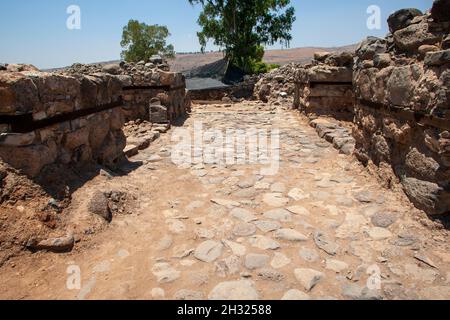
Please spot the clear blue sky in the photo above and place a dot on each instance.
(34, 31)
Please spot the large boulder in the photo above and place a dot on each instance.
(441, 10)
(402, 18)
(156, 59)
(400, 86)
(437, 58)
(427, 196)
(369, 47)
(344, 59)
(21, 68)
(412, 37)
(322, 56)
(98, 205)
(113, 68)
(446, 42)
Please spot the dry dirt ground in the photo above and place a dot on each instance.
(321, 228)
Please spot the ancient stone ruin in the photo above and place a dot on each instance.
(76, 115)
(394, 95)
(325, 86)
(402, 115)
(277, 86)
(323, 181)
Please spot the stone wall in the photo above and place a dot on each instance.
(142, 83)
(48, 118)
(325, 87)
(76, 115)
(277, 85)
(402, 115)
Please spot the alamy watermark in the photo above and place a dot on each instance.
(230, 146)
(73, 281)
(73, 22)
(374, 19)
(374, 280)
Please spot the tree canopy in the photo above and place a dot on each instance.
(242, 27)
(141, 41)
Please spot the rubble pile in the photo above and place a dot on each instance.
(278, 85)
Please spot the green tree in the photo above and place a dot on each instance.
(243, 27)
(141, 41)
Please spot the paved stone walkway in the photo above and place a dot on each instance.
(321, 228)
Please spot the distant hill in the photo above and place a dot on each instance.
(188, 62)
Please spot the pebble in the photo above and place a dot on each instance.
(377, 233)
(421, 274)
(123, 253)
(230, 204)
(364, 197)
(423, 258)
(188, 295)
(289, 235)
(309, 255)
(165, 273)
(296, 295)
(182, 251)
(165, 243)
(154, 158)
(256, 261)
(203, 233)
(236, 248)
(228, 266)
(262, 185)
(355, 292)
(244, 230)
(234, 290)
(243, 214)
(267, 226)
(384, 219)
(208, 251)
(275, 199)
(158, 293)
(270, 275)
(336, 265)
(281, 215)
(263, 243)
(245, 184)
(278, 187)
(308, 278)
(324, 243)
(299, 210)
(280, 261)
(176, 226)
(297, 194)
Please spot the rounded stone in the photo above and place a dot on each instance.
(244, 230)
(234, 290)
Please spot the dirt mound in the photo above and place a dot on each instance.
(26, 211)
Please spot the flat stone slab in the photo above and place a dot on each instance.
(243, 215)
(234, 290)
(289, 235)
(281, 215)
(308, 278)
(263, 243)
(208, 251)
